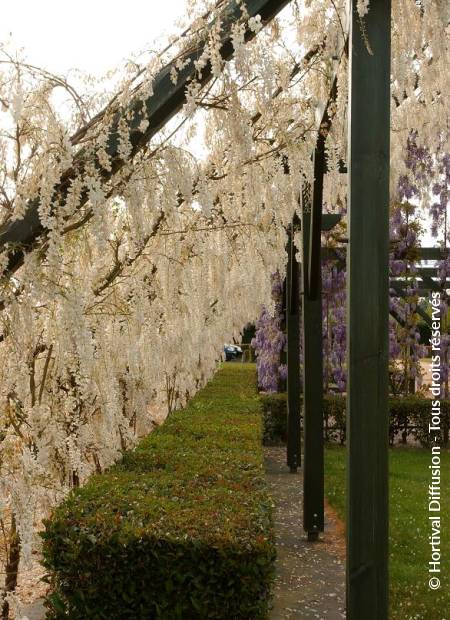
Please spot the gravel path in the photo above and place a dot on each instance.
(310, 575)
(35, 611)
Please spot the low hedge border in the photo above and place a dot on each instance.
(409, 416)
(180, 528)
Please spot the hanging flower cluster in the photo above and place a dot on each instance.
(270, 341)
(155, 250)
(408, 212)
(334, 325)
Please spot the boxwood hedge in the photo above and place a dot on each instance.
(408, 418)
(180, 528)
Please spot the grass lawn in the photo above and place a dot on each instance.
(410, 595)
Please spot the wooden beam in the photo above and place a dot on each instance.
(421, 254)
(313, 223)
(420, 292)
(431, 272)
(432, 253)
(311, 284)
(293, 354)
(329, 221)
(313, 449)
(167, 99)
(368, 314)
(400, 292)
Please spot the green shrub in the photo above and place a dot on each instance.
(412, 414)
(274, 408)
(181, 528)
(409, 416)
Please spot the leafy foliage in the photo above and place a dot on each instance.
(180, 528)
(151, 259)
(412, 415)
(409, 416)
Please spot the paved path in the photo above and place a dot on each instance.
(310, 575)
(35, 611)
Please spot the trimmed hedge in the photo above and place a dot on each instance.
(412, 415)
(409, 416)
(180, 528)
(274, 408)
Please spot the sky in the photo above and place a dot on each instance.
(91, 35)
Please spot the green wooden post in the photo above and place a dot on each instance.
(293, 355)
(368, 312)
(282, 385)
(313, 468)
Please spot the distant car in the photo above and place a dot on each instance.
(232, 352)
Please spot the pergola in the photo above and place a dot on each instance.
(368, 284)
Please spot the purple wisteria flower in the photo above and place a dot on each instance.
(426, 173)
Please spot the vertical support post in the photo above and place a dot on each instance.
(313, 457)
(282, 386)
(315, 233)
(293, 355)
(368, 312)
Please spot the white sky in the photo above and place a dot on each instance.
(91, 35)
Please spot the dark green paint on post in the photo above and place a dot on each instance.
(293, 355)
(313, 456)
(368, 312)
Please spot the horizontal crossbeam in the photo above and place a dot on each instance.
(422, 254)
(432, 253)
(329, 221)
(167, 99)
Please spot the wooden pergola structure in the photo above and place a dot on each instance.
(368, 285)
